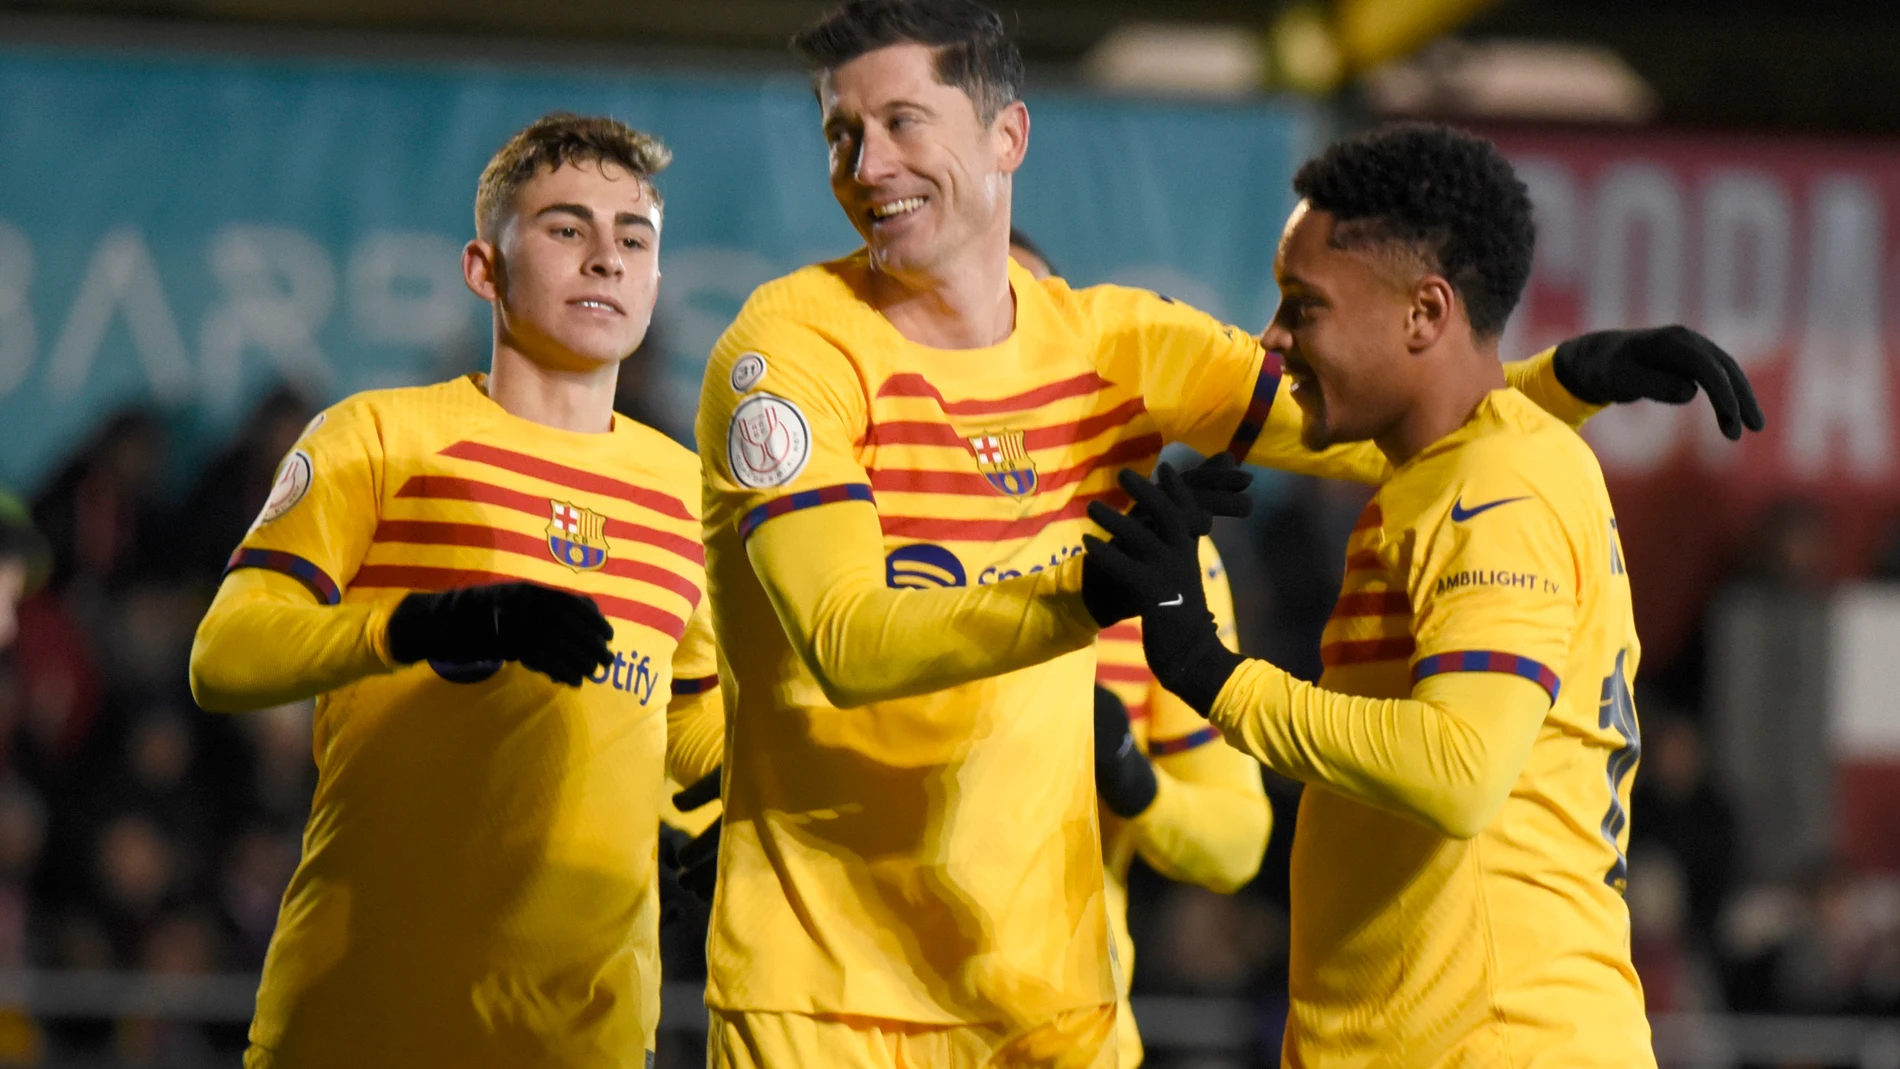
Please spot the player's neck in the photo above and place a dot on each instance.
(580, 400)
(966, 304)
(1449, 393)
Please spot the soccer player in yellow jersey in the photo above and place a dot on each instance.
(899, 447)
(1458, 867)
(495, 588)
(1171, 790)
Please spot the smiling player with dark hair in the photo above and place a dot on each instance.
(1458, 866)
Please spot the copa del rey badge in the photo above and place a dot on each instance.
(1001, 458)
(768, 442)
(577, 536)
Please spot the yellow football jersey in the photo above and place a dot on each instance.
(1495, 550)
(1214, 836)
(477, 884)
(936, 858)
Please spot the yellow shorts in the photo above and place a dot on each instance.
(1075, 1039)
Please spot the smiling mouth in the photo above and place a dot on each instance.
(892, 209)
(598, 304)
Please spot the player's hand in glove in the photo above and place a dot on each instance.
(1123, 776)
(1216, 486)
(698, 860)
(561, 635)
(1660, 364)
(1154, 560)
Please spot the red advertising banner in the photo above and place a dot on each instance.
(1783, 251)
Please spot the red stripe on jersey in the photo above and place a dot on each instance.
(1372, 603)
(1138, 711)
(1362, 651)
(914, 385)
(1372, 517)
(451, 488)
(433, 533)
(1123, 673)
(1082, 430)
(1126, 631)
(931, 432)
(421, 577)
(1364, 560)
(933, 529)
(1124, 454)
(573, 478)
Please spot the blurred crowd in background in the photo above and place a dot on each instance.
(138, 832)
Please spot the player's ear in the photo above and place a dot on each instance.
(1434, 303)
(481, 269)
(1010, 131)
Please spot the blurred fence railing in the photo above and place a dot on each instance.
(1173, 1023)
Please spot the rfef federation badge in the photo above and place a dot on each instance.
(1001, 458)
(576, 536)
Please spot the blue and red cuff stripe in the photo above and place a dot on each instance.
(1265, 388)
(1182, 743)
(804, 499)
(695, 686)
(1487, 661)
(290, 564)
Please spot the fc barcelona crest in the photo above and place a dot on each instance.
(576, 536)
(1001, 458)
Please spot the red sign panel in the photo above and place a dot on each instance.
(1783, 251)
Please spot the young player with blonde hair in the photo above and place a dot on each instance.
(495, 589)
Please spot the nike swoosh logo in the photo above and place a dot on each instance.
(1459, 513)
(1178, 599)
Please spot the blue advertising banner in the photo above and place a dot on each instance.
(186, 232)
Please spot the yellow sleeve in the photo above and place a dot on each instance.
(1446, 757)
(277, 631)
(1209, 822)
(696, 715)
(823, 570)
(1536, 378)
(324, 504)
(1494, 602)
(781, 413)
(264, 642)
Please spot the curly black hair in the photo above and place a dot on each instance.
(974, 52)
(1448, 194)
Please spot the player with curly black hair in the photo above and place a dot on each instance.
(1458, 865)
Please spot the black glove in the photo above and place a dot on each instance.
(697, 861)
(1155, 561)
(1123, 776)
(561, 635)
(1660, 364)
(1216, 486)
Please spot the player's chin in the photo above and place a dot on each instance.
(1316, 431)
(604, 344)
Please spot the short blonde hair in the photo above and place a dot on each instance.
(564, 138)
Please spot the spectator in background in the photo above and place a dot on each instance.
(25, 560)
(1679, 812)
(1767, 668)
(104, 511)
